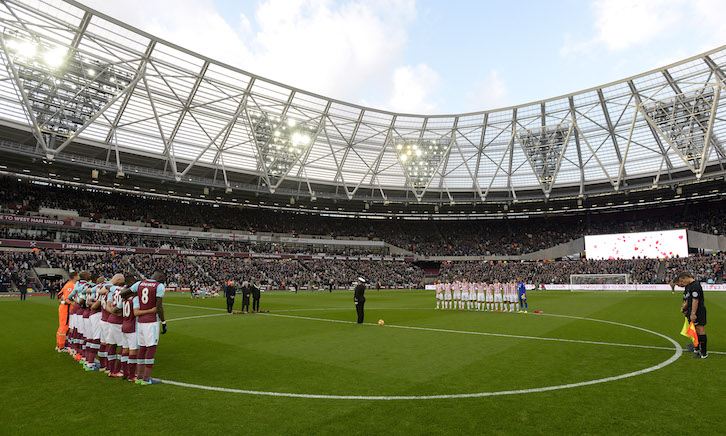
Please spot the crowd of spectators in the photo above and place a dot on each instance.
(641, 271)
(204, 272)
(704, 267)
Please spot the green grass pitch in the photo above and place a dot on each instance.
(47, 392)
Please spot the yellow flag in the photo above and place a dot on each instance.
(684, 330)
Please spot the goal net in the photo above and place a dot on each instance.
(599, 282)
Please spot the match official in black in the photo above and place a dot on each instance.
(694, 308)
(359, 298)
(255, 297)
(230, 291)
(246, 292)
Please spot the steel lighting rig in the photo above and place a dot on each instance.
(64, 90)
(281, 142)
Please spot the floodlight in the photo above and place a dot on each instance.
(91, 72)
(291, 122)
(55, 57)
(27, 49)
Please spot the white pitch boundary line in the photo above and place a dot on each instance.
(676, 355)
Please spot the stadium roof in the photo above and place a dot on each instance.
(93, 89)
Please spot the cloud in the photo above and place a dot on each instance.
(413, 87)
(625, 24)
(490, 93)
(622, 24)
(337, 50)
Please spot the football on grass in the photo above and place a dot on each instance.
(380, 322)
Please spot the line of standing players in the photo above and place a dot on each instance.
(496, 296)
(116, 322)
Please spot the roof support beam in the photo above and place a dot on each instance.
(611, 131)
(653, 131)
(10, 64)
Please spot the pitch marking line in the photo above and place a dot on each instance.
(502, 335)
(198, 316)
(678, 352)
(193, 307)
(653, 347)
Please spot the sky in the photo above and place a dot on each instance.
(434, 57)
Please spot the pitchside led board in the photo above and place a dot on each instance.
(651, 245)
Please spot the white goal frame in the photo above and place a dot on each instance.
(599, 282)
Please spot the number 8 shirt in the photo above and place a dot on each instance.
(148, 325)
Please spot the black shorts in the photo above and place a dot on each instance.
(700, 316)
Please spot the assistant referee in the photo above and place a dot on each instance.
(359, 298)
(694, 308)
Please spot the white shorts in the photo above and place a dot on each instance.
(490, 298)
(514, 298)
(497, 298)
(439, 296)
(115, 335)
(465, 296)
(72, 321)
(447, 297)
(480, 298)
(472, 296)
(94, 324)
(457, 295)
(105, 331)
(85, 326)
(78, 324)
(148, 333)
(130, 341)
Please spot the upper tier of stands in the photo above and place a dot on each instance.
(427, 237)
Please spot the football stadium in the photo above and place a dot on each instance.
(189, 247)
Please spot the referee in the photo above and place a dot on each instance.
(694, 308)
(229, 291)
(359, 298)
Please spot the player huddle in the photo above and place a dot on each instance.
(496, 297)
(117, 321)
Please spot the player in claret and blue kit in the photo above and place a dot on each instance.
(149, 325)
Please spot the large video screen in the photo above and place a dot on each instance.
(651, 245)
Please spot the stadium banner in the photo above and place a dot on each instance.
(631, 287)
(21, 219)
(314, 241)
(168, 232)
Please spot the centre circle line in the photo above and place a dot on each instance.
(678, 352)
